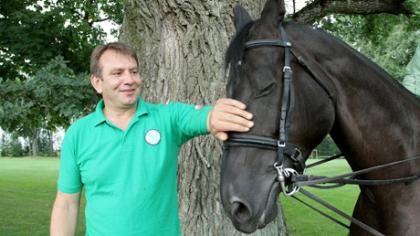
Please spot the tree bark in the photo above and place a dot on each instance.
(320, 8)
(181, 47)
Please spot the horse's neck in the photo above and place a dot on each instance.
(376, 119)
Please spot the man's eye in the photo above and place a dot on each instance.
(134, 72)
(116, 73)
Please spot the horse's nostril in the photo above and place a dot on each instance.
(241, 212)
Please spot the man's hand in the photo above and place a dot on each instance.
(228, 115)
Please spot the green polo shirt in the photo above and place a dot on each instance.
(129, 176)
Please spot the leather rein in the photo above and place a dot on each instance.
(292, 179)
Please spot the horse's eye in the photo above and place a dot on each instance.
(266, 90)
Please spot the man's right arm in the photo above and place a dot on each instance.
(64, 214)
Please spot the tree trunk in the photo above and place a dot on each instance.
(181, 47)
(35, 143)
(50, 143)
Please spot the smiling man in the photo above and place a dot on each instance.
(125, 153)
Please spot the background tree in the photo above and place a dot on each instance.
(44, 59)
(33, 32)
(389, 40)
(50, 99)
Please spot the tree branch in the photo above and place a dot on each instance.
(320, 8)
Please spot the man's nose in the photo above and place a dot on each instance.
(129, 78)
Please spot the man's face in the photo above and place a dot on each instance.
(119, 82)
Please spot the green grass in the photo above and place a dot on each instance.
(303, 221)
(27, 192)
(28, 188)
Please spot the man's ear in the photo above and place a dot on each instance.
(240, 17)
(96, 83)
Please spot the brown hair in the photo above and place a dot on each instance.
(95, 68)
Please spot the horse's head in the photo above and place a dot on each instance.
(257, 70)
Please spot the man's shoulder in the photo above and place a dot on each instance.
(158, 108)
(83, 122)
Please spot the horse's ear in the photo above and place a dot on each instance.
(240, 17)
(273, 12)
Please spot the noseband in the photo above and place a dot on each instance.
(281, 145)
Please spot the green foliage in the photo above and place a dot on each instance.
(388, 40)
(52, 98)
(33, 32)
(327, 147)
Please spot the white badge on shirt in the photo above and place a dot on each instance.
(152, 137)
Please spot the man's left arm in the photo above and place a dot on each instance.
(228, 115)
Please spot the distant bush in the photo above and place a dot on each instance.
(11, 146)
(327, 147)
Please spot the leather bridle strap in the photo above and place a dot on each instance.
(246, 140)
(286, 105)
(267, 42)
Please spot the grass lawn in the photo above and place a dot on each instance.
(28, 188)
(27, 192)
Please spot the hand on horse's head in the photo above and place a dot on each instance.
(228, 115)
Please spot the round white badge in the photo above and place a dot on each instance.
(152, 137)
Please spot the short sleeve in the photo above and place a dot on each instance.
(189, 120)
(69, 180)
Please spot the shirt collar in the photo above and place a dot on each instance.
(100, 116)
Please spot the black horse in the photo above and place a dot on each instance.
(335, 90)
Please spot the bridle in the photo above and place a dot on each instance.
(291, 179)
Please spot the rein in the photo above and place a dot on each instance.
(348, 178)
(292, 179)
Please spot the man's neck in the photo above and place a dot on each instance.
(120, 117)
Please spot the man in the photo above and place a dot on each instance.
(125, 153)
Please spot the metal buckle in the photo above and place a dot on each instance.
(288, 68)
(281, 144)
(296, 154)
(284, 173)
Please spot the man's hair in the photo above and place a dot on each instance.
(124, 49)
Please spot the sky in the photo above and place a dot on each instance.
(299, 4)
